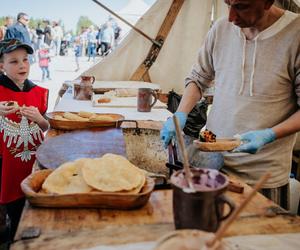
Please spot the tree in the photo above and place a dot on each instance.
(83, 22)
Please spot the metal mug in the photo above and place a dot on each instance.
(144, 100)
(202, 209)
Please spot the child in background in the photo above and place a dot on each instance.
(44, 60)
(22, 105)
(78, 51)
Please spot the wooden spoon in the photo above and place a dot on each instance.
(220, 233)
(186, 165)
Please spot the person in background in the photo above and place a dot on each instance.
(20, 31)
(7, 23)
(91, 43)
(40, 35)
(78, 51)
(44, 60)
(47, 33)
(253, 57)
(106, 38)
(22, 105)
(57, 37)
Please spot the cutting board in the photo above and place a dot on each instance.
(80, 144)
(103, 86)
(123, 102)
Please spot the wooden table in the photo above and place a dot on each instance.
(84, 228)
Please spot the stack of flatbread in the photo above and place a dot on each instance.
(83, 116)
(110, 173)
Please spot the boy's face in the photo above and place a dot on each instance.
(16, 65)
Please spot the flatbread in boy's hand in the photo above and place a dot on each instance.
(12, 104)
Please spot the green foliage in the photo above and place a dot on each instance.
(83, 23)
(33, 23)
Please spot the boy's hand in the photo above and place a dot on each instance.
(6, 110)
(32, 113)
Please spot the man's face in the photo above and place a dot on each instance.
(247, 13)
(24, 20)
(16, 65)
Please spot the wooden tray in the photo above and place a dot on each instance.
(123, 102)
(80, 144)
(100, 87)
(33, 183)
(219, 145)
(72, 125)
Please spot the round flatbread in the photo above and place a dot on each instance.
(67, 179)
(112, 173)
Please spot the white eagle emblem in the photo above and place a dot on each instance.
(20, 133)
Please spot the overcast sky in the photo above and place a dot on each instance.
(66, 10)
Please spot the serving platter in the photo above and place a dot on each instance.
(114, 121)
(31, 187)
(222, 144)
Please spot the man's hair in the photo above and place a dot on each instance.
(20, 15)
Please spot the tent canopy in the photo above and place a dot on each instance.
(131, 12)
(179, 50)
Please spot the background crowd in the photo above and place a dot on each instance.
(89, 40)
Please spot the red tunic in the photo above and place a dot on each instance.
(14, 170)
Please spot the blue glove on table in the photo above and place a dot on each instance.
(168, 131)
(252, 141)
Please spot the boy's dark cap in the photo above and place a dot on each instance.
(9, 45)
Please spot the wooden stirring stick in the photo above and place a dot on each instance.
(186, 165)
(219, 234)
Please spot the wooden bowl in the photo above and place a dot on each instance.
(72, 125)
(31, 187)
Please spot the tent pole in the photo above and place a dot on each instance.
(142, 72)
(129, 24)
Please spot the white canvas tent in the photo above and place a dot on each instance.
(131, 12)
(179, 49)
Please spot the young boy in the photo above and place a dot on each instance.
(22, 105)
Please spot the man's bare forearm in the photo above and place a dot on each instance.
(191, 96)
(289, 126)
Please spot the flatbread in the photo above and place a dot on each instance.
(112, 173)
(12, 104)
(85, 114)
(219, 145)
(74, 117)
(96, 117)
(59, 118)
(67, 179)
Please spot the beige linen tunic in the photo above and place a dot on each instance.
(257, 85)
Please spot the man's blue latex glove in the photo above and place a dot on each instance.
(168, 131)
(252, 141)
